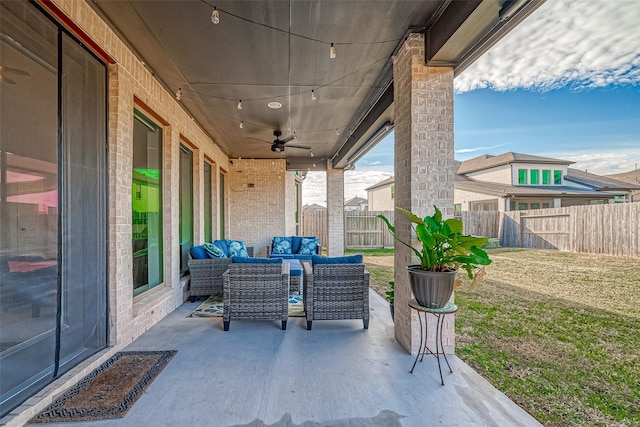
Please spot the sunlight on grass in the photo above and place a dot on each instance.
(557, 332)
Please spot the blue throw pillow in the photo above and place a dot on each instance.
(308, 246)
(237, 248)
(250, 260)
(222, 244)
(352, 259)
(281, 245)
(198, 252)
(213, 251)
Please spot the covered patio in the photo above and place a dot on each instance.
(167, 124)
(338, 374)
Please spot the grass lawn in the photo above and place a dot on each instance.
(557, 332)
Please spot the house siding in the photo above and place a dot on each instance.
(501, 174)
(380, 199)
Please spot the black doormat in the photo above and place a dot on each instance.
(110, 390)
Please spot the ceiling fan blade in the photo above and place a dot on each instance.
(299, 146)
(6, 79)
(287, 139)
(14, 71)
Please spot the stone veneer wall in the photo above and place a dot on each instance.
(424, 167)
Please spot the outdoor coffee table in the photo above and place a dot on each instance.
(295, 276)
(423, 349)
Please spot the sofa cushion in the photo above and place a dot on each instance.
(303, 257)
(308, 246)
(351, 259)
(198, 252)
(237, 248)
(296, 241)
(281, 245)
(222, 244)
(251, 260)
(282, 256)
(214, 251)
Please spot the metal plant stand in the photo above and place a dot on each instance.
(423, 349)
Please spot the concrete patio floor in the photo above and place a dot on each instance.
(337, 374)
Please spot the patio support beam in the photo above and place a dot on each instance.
(335, 210)
(424, 168)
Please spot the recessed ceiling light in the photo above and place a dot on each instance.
(275, 105)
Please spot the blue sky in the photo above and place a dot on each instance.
(563, 84)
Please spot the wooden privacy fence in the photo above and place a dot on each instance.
(603, 229)
(366, 230)
(314, 223)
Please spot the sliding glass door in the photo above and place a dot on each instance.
(53, 311)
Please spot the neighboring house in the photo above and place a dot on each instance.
(516, 181)
(632, 177)
(355, 204)
(313, 207)
(381, 195)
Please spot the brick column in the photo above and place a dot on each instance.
(335, 211)
(424, 168)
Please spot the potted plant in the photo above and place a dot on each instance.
(389, 297)
(444, 250)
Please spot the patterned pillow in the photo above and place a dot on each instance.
(281, 245)
(213, 251)
(237, 248)
(308, 246)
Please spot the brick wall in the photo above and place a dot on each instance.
(335, 211)
(424, 166)
(129, 317)
(261, 199)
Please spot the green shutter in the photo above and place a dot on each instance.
(522, 176)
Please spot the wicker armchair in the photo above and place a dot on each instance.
(256, 291)
(206, 275)
(336, 291)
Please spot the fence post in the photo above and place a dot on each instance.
(522, 217)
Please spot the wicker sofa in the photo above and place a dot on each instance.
(256, 291)
(336, 291)
(293, 247)
(206, 275)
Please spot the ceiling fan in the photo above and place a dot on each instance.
(277, 146)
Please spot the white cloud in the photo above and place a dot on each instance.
(602, 163)
(474, 149)
(584, 44)
(314, 188)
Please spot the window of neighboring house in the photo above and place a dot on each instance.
(557, 177)
(186, 206)
(147, 210)
(535, 205)
(545, 205)
(522, 206)
(522, 176)
(457, 207)
(208, 203)
(393, 191)
(535, 176)
(546, 177)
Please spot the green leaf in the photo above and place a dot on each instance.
(438, 215)
(411, 216)
(455, 225)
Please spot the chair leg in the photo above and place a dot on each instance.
(192, 298)
(226, 325)
(284, 325)
(309, 325)
(366, 323)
